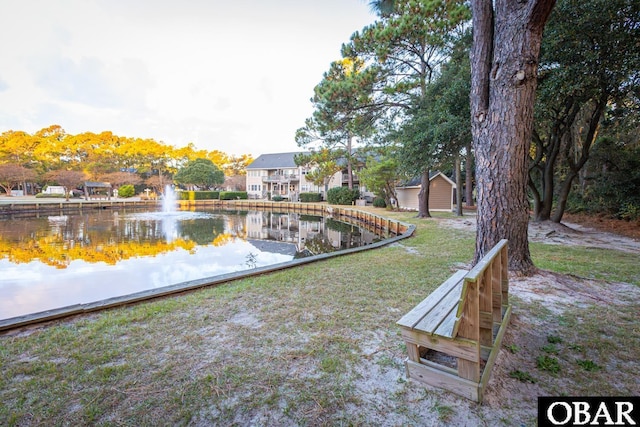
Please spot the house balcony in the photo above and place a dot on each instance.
(345, 178)
(281, 178)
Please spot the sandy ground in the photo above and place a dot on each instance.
(508, 401)
(563, 234)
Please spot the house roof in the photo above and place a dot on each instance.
(274, 247)
(415, 182)
(274, 161)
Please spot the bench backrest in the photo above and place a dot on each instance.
(485, 291)
(468, 303)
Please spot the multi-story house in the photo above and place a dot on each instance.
(278, 175)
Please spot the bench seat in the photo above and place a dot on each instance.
(464, 319)
(436, 314)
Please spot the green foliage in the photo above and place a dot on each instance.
(587, 89)
(437, 125)
(379, 202)
(548, 363)
(554, 339)
(445, 412)
(550, 348)
(199, 195)
(615, 185)
(588, 365)
(324, 163)
(342, 196)
(310, 197)
(49, 196)
(127, 190)
(201, 172)
(233, 195)
(277, 198)
(513, 348)
(380, 176)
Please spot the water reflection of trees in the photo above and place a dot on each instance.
(108, 236)
(319, 244)
(111, 236)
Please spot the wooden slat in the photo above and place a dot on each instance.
(413, 352)
(485, 305)
(477, 270)
(438, 378)
(413, 317)
(486, 374)
(505, 274)
(447, 326)
(443, 309)
(486, 320)
(496, 288)
(459, 348)
(469, 327)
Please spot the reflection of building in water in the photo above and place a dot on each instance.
(274, 247)
(306, 232)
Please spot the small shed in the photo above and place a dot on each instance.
(97, 190)
(441, 193)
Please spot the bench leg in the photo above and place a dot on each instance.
(413, 352)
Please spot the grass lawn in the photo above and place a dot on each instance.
(315, 345)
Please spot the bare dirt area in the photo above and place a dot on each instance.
(579, 233)
(568, 335)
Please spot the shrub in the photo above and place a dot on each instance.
(379, 202)
(277, 198)
(342, 196)
(198, 195)
(233, 195)
(207, 195)
(310, 197)
(49, 196)
(126, 191)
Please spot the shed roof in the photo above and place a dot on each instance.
(415, 182)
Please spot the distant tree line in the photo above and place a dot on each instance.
(51, 156)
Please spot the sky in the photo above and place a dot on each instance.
(235, 76)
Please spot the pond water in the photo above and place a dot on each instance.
(55, 261)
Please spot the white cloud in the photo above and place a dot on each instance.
(233, 76)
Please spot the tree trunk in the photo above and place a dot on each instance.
(458, 186)
(575, 166)
(469, 176)
(563, 195)
(349, 166)
(537, 200)
(504, 65)
(423, 196)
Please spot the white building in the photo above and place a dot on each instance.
(278, 175)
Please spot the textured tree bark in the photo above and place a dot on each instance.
(423, 196)
(469, 176)
(504, 64)
(458, 186)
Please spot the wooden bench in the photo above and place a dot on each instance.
(454, 335)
